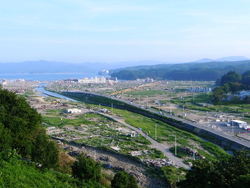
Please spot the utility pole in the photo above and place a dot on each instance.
(175, 145)
(170, 104)
(117, 139)
(147, 100)
(175, 150)
(155, 132)
(112, 108)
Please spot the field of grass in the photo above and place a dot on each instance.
(144, 93)
(60, 122)
(99, 131)
(149, 126)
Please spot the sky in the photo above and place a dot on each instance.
(123, 30)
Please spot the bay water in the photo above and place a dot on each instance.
(48, 77)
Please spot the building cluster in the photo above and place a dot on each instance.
(95, 80)
(6, 82)
(243, 94)
(200, 89)
(145, 80)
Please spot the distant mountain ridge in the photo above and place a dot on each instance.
(182, 71)
(230, 58)
(43, 66)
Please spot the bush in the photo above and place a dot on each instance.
(123, 180)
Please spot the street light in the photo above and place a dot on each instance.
(175, 152)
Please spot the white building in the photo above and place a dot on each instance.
(73, 110)
(4, 82)
(241, 124)
(243, 94)
(93, 80)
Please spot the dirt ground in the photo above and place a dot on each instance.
(118, 162)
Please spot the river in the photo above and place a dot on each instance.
(41, 89)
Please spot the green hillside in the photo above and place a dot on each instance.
(184, 71)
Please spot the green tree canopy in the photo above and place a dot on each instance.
(123, 180)
(86, 169)
(233, 172)
(20, 130)
(19, 122)
(231, 76)
(45, 151)
(246, 78)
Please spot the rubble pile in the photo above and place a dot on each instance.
(191, 151)
(159, 162)
(104, 158)
(138, 153)
(140, 178)
(117, 168)
(73, 151)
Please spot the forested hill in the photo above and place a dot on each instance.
(183, 71)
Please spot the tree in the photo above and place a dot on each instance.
(19, 120)
(226, 87)
(45, 151)
(86, 169)
(247, 98)
(231, 76)
(246, 78)
(236, 98)
(5, 138)
(218, 94)
(234, 87)
(232, 172)
(123, 180)
(20, 130)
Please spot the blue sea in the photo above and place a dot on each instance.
(47, 77)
